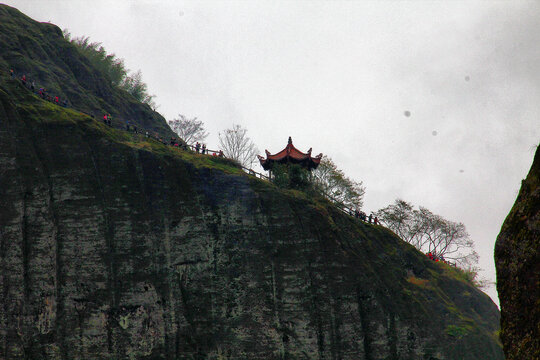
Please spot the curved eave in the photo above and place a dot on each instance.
(308, 162)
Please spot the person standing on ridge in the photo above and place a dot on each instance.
(370, 217)
(12, 74)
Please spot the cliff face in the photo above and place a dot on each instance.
(517, 258)
(114, 246)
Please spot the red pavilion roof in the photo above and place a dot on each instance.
(290, 155)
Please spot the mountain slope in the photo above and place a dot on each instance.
(115, 246)
(39, 51)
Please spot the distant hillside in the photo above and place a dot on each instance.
(116, 246)
(39, 51)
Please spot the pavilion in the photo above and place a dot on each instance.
(290, 155)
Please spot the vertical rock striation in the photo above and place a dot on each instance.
(113, 247)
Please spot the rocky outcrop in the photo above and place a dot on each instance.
(517, 258)
(116, 247)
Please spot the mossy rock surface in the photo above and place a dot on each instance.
(115, 246)
(517, 258)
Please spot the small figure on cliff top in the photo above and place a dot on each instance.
(197, 147)
(370, 217)
(203, 148)
(23, 79)
(12, 74)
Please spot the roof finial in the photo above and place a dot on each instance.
(290, 140)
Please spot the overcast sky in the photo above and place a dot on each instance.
(437, 103)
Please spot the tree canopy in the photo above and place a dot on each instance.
(189, 130)
(334, 184)
(237, 145)
(429, 232)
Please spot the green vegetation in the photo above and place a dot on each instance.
(112, 68)
(417, 281)
(336, 186)
(35, 109)
(40, 51)
(457, 331)
(291, 176)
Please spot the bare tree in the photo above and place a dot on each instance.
(238, 146)
(334, 184)
(189, 130)
(429, 232)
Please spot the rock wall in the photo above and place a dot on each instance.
(517, 258)
(110, 250)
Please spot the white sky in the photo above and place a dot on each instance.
(338, 77)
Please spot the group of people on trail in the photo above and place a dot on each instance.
(369, 219)
(178, 143)
(130, 127)
(42, 92)
(200, 148)
(437, 258)
(107, 120)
